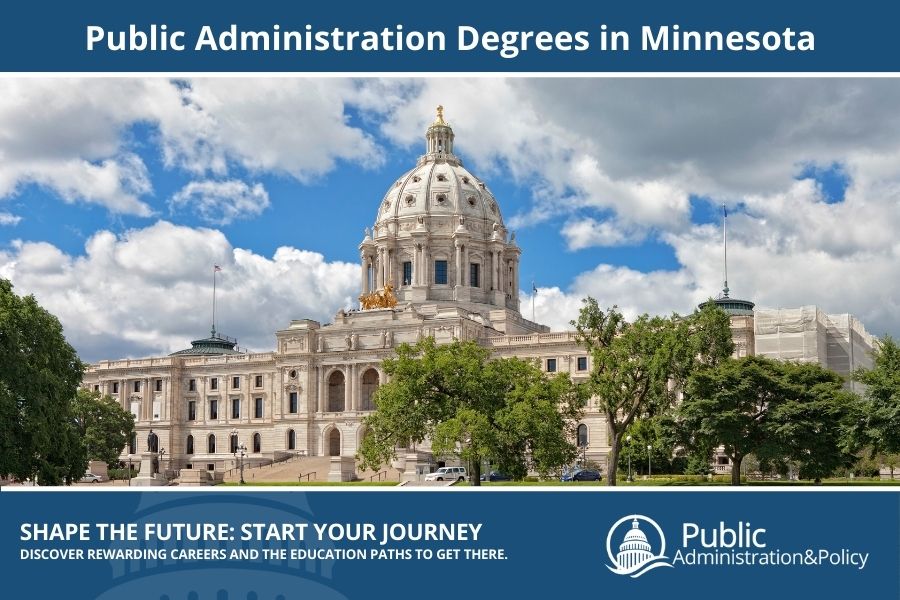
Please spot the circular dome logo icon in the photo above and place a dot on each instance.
(635, 555)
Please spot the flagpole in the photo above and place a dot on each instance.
(725, 245)
(533, 294)
(214, 302)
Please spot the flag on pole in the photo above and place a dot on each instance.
(216, 268)
(724, 211)
(533, 288)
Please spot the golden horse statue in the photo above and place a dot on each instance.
(382, 299)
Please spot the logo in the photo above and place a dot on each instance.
(635, 556)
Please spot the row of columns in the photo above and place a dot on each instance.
(381, 265)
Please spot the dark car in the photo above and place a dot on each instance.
(496, 476)
(587, 475)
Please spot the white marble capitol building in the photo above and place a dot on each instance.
(440, 244)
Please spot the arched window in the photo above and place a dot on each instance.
(211, 443)
(582, 435)
(369, 385)
(189, 448)
(257, 443)
(336, 392)
(234, 443)
(334, 443)
(292, 440)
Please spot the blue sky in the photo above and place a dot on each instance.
(113, 211)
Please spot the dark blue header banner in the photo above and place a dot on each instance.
(461, 36)
(448, 544)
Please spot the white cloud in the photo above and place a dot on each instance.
(147, 291)
(9, 219)
(74, 136)
(221, 202)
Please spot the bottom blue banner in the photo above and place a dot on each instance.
(262, 545)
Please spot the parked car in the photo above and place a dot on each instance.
(90, 478)
(447, 474)
(587, 475)
(496, 476)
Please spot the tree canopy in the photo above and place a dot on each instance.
(638, 366)
(777, 411)
(878, 425)
(104, 426)
(477, 408)
(39, 375)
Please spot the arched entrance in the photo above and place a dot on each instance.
(336, 392)
(291, 440)
(370, 382)
(334, 442)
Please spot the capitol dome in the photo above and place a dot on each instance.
(635, 549)
(439, 240)
(439, 185)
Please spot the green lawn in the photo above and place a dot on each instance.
(313, 483)
(682, 481)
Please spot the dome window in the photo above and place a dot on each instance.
(465, 180)
(417, 179)
(441, 198)
(387, 205)
(410, 200)
(481, 184)
(471, 200)
(441, 177)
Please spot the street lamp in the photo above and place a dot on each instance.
(162, 453)
(649, 470)
(239, 452)
(129, 470)
(628, 440)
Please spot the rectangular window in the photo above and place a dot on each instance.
(235, 408)
(235, 383)
(474, 275)
(96, 387)
(440, 272)
(582, 363)
(551, 365)
(407, 273)
(213, 409)
(214, 383)
(158, 385)
(137, 386)
(192, 385)
(115, 387)
(293, 403)
(259, 381)
(257, 408)
(192, 411)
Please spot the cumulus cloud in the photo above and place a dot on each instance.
(9, 219)
(145, 292)
(221, 202)
(74, 136)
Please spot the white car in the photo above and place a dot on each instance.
(447, 474)
(90, 478)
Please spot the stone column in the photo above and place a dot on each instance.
(379, 269)
(348, 388)
(458, 263)
(320, 389)
(147, 399)
(364, 279)
(465, 266)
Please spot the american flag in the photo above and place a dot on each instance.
(217, 268)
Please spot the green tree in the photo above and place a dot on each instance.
(730, 403)
(104, 426)
(812, 424)
(777, 411)
(639, 366)
(878, 425)
(656, 432)
(504, 410)
(39, 375)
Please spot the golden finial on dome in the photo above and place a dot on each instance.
(440, 116)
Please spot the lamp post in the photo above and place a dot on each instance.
(649, 470)
(240, 452)
(628, 440)
(162, 453)
(129, 470)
